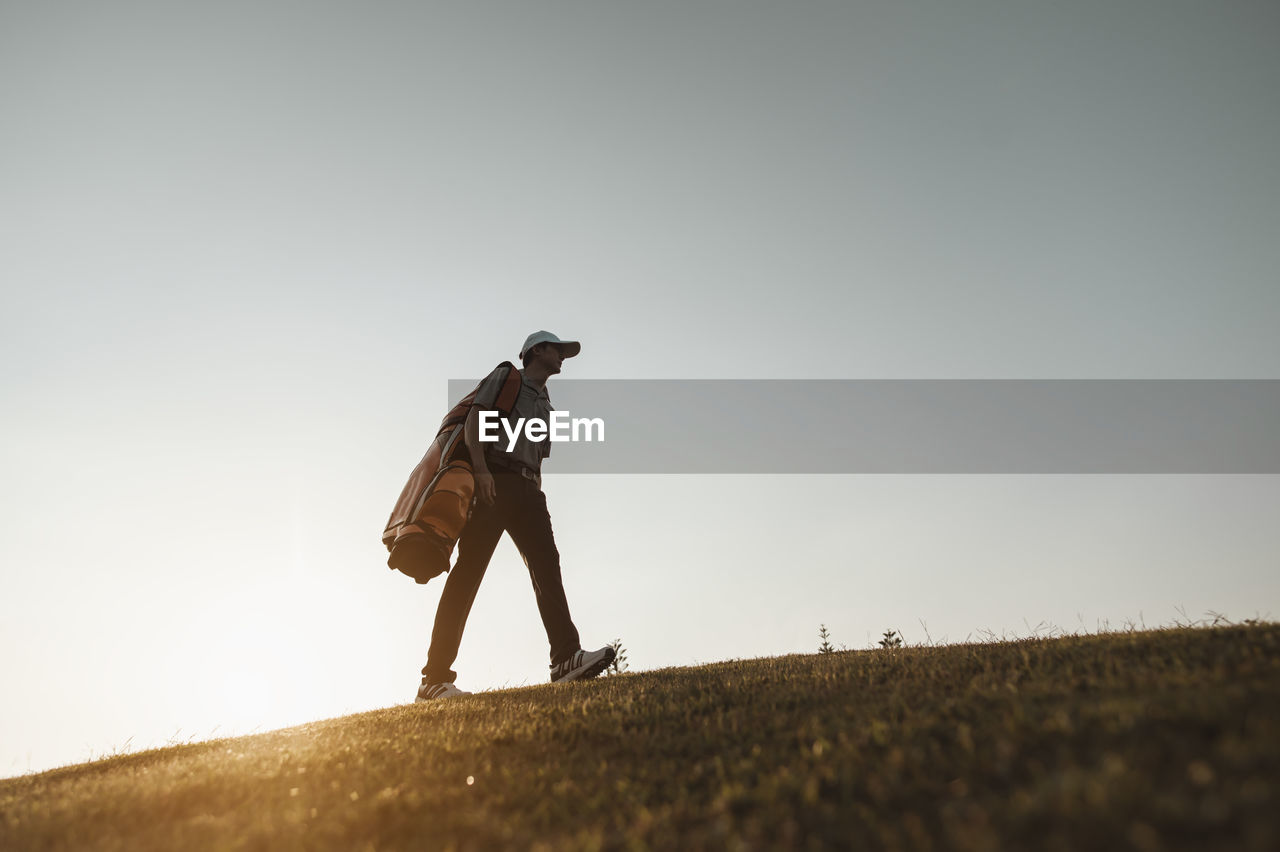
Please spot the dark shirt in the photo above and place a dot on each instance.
(531, 403)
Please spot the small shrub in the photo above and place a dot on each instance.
(825, 647)
(891, 639)
(619, 664)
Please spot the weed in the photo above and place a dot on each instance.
(825, 636)
(619, 664)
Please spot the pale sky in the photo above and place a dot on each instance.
(245, 246)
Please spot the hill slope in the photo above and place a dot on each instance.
(1166, 739)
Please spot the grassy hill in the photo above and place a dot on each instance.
(1164, 739)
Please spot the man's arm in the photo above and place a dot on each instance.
(474, 445)
(486, 395)
(484, 479)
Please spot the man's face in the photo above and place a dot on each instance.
(552, 357)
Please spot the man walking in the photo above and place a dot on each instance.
(509, 498)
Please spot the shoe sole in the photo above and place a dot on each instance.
(590, 671)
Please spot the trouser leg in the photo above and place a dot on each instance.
(475, 549)
(529, 525)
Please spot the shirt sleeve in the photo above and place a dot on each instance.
(487, 392)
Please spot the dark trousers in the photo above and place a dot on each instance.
(520, 508)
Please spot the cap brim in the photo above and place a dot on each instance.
(570, 348)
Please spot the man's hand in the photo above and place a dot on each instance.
(485, 491)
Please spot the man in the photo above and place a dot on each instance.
(509, 497)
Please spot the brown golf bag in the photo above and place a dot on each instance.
(435, 504)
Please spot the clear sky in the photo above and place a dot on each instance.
(244, 247)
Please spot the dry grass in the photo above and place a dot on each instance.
(1161, 739)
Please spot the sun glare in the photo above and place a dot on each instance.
(259, 673)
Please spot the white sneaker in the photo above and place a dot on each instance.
(583, 665)
(432, 691)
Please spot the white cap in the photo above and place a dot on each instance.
(569, 347)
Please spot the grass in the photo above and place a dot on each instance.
(1145, 740)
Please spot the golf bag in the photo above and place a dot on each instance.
(436, 502)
